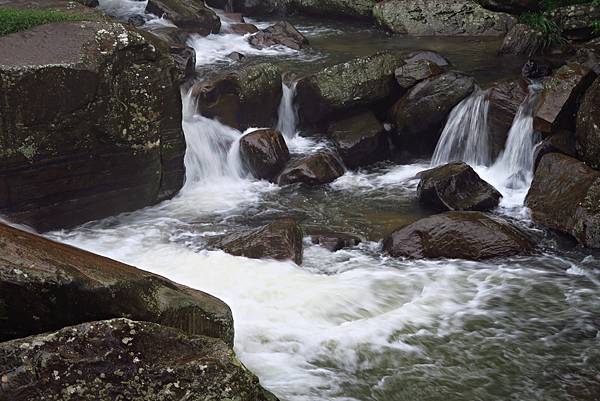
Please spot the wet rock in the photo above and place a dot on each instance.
(191, 16)
(69, 150)
(136, 20)
(512, 6)
(45, 285)
(282, 33)
(504, 98)
(242, 99)
(412, 73)
(314, 169)
(560, 142)
(221, 4)
(536, 69)
(334, 242)
(565, 196)
(262, 7)
(419, 116)
(360, 9)
(243, 29)
(174, 40)
(558, 101)
(588, 127)
(235, 56)
(522, 40)
(360, 140)
(456, 186)
(280, 240)
(434, 57)
(185, 58)
(577, 21)
(460, 235)
(110, 359)
(234, 17)
(588, 55)
(264, 153)
(440, 17)
(358, 82)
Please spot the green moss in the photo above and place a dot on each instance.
(16, 20)
(550, 30)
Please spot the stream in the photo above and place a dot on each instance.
(357, 324)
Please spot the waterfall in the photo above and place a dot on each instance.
(516, 161)
(212, 148)
(465, 136)
(288, 114)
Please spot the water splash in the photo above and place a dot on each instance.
(465, 136)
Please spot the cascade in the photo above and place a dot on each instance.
(288, 114)
(465, 136)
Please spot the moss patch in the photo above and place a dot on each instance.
(17, 20)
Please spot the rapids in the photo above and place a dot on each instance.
(355, 324)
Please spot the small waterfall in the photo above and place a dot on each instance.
(465, 136)
(288, 114)
(516, 161)
(212, 148)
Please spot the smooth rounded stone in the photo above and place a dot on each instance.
(577, 21)
(440, 17)
(71, 152)
(412, 73)
(505, 98)
(456, 186)
(282, 33)
(248, 97)
(588, 127)
(419, 116)
(314, 169)
(522, 40)
(124, 359)
(459, 235)
(191, 16)
(45, 285)
(360, 140)
(512, 6)
(235, 56)
(565, 196)
(558, 100)
(536, 69)
(428, 55)
(359, 82)
(280, 240)
(334, 242)
(243, 29)
(265, 153)
(560, 142)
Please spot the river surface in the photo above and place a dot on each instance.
(356, 324)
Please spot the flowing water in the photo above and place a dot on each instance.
(356, 324)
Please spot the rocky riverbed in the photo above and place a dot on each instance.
(392, 200)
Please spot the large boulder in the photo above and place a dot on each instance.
(91, 123)
(45, 285)
(419, 116)
(280, 240)
(560, 142)
(314, 169)
(190, 15)
(565, 196)
(456, 186)
(360, 140)
(512, 6)
(440, 17)
(242, 99)
(578, 21)
(588, 127)
(358, 82)
(522, 40)
(560, 96)
(412, 73)
(282, 33)
(460, 235)
(124, 359)
(505, 98)
(361, 9)
(264, 152)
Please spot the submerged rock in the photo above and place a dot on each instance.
(588, 127)
(264, 152)
(440, 17)
(565, 196)
(334, 242)
(282, 33)
(558, 101)
(456, 186)
(460, 235)
(419, 116)
(314, 169)
(124, 359)
(45, 285)
(358, 82)
(191, 16)
(242, 99)
(522, 40)
(280, 240)
(360, 140)
(91, 123)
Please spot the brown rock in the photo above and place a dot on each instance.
(522, 40)
(243, 29)
(314, 169)
(264, 153)
(334, 242)
(282, 33)
(191, 16)
(588, 127)
(411, 74)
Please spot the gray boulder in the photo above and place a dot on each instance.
(282, 33)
